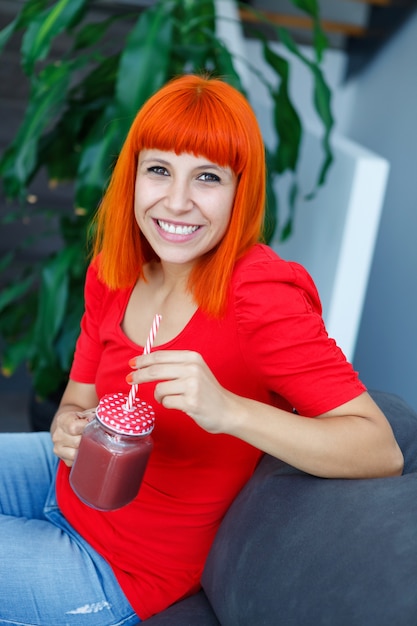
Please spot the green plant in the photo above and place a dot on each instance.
(79, 110)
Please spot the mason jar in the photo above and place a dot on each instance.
(113, 454)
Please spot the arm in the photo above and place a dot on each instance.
(351, 441)
(68, 425)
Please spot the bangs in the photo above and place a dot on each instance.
(197, 122)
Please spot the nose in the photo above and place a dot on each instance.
(178, 198)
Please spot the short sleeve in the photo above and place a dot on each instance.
(284, 339)
(88, 347)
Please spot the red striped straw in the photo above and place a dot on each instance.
(148, 348)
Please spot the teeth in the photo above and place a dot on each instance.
(177, 230)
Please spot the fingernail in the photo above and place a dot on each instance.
(129, 378)
(132, 362)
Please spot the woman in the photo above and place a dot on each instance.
(240, 362)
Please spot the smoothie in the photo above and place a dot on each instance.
(113, 454)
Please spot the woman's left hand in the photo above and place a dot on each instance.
(186, 383)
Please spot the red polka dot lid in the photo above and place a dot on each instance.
(114, 414)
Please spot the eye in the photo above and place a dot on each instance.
(209, 177)
(158, 169)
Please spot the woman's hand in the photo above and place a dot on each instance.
(186, 383)
(73, 415)
(66, 436)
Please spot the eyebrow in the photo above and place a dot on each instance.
(213, 166)
(202, 167)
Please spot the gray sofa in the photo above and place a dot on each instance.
(295, 550)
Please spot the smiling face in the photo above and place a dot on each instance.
(183, 204)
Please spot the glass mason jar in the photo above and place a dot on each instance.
(113, 453)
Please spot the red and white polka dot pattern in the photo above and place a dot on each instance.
(113, 413)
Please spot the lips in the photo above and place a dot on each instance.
(177, 229)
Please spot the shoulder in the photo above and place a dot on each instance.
(96, 292)
(93, 284)
(263, 262)
(262, 274)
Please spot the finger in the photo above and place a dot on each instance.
(175, 402)
(160, 371)
(68, 456)
(89, 414)
(169, 388)
(183, 395)
(76, 424)
(66, 452)
(165, 357)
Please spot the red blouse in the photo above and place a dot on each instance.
(271, 345)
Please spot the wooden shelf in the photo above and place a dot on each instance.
(342, 27)
(304, 23)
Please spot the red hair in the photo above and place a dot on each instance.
(205, 117)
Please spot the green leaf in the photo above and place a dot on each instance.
(60, 307)
(193, 15)
(143, 68)
(58, 150)
(271, 208)
(225, 67)
(289, 224)
(194, 42)
(322, 103)
(320, 42)
(286, 118)
(96, 160)
(61, 148)
(27, 13)
(19, 162)
(308, 6)
(68, 335)
(45, 27)
(6, 33)
(6, 261)
(14, 292)
(90, 34)
(144, 62)
(47, 378)
(15, 354)
(53, 298)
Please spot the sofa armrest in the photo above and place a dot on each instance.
(298, 550)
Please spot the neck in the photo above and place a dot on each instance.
(168, 276)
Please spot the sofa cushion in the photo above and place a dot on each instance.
(192, 611)
(295, 550)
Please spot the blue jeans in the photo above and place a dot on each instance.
(49, 576)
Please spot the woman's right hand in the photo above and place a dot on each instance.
(73, 415)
